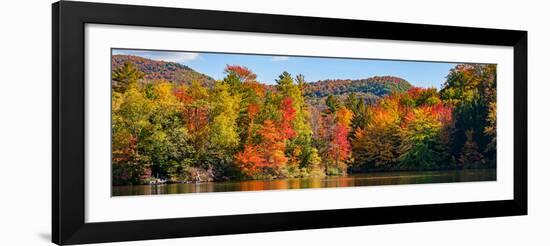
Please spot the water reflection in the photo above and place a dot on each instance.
(363, 179)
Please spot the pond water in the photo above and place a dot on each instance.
(359, 179)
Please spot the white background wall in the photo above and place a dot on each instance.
(25, 96)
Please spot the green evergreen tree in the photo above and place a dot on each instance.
(124, 76)
(332, 103)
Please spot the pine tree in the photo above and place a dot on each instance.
(332, 103)
(352, 102)
(124, 76)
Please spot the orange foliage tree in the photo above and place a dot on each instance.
(265, 157)
(242, 72)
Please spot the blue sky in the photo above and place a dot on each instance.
(268, 68)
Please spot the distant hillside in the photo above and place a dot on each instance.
(155, 70)
(370, 89)
(378, 85)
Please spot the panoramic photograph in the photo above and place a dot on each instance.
(194, 122)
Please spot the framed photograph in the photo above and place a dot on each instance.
(175, 122)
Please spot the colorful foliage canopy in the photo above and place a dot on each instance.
(191, 128)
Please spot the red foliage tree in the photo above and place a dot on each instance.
(288, 115)
(442, 112)
(253, 109)
(182, 96)
(250, 161)
(340, 148)
(414, 92)
(196, 118)
(244, 74)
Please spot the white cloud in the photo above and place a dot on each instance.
(279, 58)
(170, 56)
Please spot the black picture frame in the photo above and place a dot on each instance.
(68, 118)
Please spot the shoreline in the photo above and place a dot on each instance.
(314, 177)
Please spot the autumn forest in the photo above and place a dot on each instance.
(173, 124)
